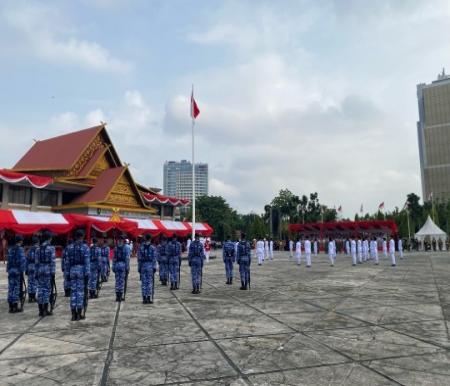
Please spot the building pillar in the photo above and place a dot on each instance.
(5, 196)
(34, 199)
(60, 194)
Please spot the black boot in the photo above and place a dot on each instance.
(117, 297)
(91, 294)
(77, 314)
(46, 311)
(66, 292)
(74, 315)
(121, 299)
(17, 308)
(144, 300)
(231, 280)
(242, 285)
(81, 313)
(176, 285)
(30, 298)
(11, 308)
(41, 310)
(150, 300)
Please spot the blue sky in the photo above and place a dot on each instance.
(308, 95)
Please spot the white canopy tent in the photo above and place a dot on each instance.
(432, 231)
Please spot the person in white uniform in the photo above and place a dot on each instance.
(384, 246)
(271, 249)
(359, 249)
(260, 251)
(331, 251)
(291, 248)
(392, 251)
(400, 248)
(353, 251)
(365, 249)
(347, 247)
(298, 251)
(308, 252)
(374, 250)
(315, 247)
(266, 249)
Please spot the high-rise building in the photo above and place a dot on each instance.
(178, 179)
(433, 130)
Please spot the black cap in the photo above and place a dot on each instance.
(94, 240)
(18, 238)
(148, 236)
(243, 235)
(123, 237)
(79, 234)
(47, 235)
(34, 240)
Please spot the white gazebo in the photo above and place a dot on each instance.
(432, 231)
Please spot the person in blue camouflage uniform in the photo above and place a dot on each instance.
(163, 261)
(45, 270)
(30, 270)
(121, 267)
(65, 271)
(15, 267)
(196, 256)
(95, 267)
(243, 258)
(105, 267)
(174, 258)
(78, 265)
(229, 257)
(147, 268)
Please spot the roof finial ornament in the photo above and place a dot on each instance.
(443, 71)
(103, 123)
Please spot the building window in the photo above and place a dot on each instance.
(48, 197)
(19, 195)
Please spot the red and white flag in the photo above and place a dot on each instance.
(381, 206)
(195, 111)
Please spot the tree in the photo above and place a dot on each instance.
(217, 213)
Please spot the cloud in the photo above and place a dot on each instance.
(47, 33)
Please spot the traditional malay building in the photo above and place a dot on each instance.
(81, 172)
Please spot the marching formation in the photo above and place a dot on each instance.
(85, 267)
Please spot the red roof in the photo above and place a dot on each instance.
(345, 227)
(105, 182)
(57, 153)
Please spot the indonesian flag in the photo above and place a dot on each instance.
(381, 206)
(195, 111)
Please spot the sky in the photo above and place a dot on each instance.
(313, 96)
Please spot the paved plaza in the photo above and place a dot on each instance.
(363, 325)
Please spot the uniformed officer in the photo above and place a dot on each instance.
(121, 267)
(392, 251)
(229, 257)
(147, 268)
(45, 271)
(244, 260)
(400, 248)
(259, 251)
(15, 267)
(298, 251)
(374, 250)
(196, 256)
(95, 268)
(315, 247)
(308, 252)
(105, 266)
(173, 252)
(78, 265)
(291, 248)
(331, 251)
(163, 261)
(359, 249)
(353, 251)
(31, 269)
(271, 249)
(65, 271)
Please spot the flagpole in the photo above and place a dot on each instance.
(193, 177)
(409, 229)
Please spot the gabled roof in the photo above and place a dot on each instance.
(103, 186)
(57, 153)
